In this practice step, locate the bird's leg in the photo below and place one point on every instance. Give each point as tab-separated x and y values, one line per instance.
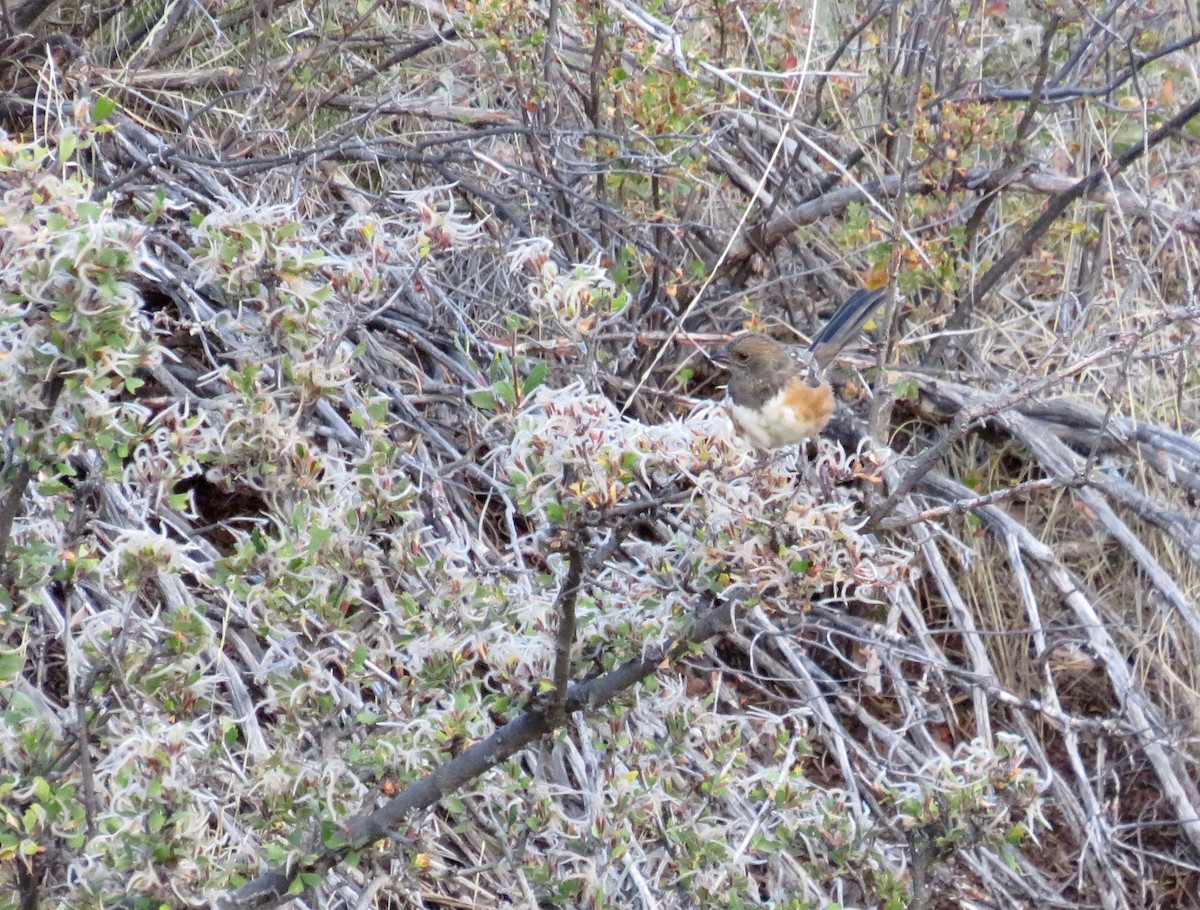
805	460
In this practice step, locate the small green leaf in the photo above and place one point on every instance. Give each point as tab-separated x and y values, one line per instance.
11	663
535	378
504	391
334	838
484	400
52	487
102	108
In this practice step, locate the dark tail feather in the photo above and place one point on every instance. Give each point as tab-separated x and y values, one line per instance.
844	325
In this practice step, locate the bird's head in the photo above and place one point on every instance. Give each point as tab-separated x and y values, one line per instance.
755	353
759	367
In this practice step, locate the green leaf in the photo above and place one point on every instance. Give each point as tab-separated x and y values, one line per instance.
11	664
52	487
103	107
67	144
484	400
333	837
504	391
535	378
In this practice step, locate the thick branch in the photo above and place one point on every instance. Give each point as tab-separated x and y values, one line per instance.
564	609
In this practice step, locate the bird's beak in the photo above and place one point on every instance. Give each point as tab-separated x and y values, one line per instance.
704	344
720	357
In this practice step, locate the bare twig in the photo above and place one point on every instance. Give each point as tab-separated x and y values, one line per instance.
960	506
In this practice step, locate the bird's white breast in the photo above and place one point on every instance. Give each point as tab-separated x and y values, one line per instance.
786	418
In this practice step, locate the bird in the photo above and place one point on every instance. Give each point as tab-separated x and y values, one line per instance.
777	398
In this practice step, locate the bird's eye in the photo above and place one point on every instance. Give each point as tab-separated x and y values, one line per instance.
741	356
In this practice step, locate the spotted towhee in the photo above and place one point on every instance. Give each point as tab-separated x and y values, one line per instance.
777	398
